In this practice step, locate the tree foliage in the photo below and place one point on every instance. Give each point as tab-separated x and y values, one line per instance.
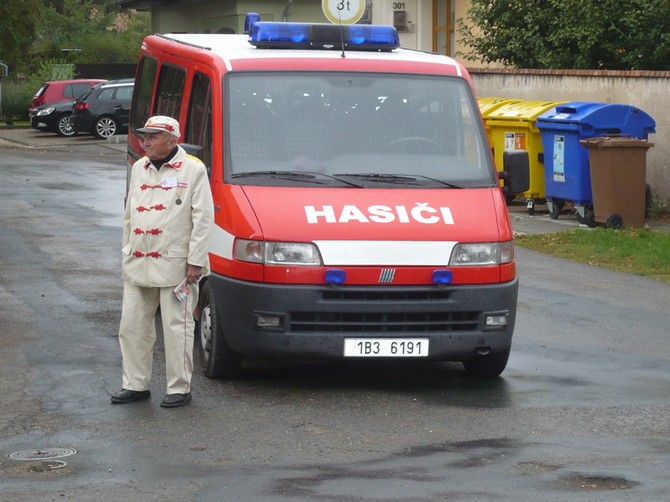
94	31
580	34
74	31
18	26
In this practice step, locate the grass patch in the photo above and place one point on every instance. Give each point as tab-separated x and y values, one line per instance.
638	251
15	123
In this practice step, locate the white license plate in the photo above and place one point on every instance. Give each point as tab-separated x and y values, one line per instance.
385	347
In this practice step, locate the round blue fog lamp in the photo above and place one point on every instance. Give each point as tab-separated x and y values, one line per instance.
442	277
335	276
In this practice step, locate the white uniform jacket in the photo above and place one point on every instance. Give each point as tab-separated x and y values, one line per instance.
167	223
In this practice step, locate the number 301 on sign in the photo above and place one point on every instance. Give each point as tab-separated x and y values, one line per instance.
385	347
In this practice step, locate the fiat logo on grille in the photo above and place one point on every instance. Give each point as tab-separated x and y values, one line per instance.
386	275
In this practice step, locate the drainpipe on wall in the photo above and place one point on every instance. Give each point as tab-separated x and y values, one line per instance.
284	16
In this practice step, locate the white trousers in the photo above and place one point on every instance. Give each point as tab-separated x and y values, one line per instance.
137	336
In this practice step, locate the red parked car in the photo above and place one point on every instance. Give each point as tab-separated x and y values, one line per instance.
60	90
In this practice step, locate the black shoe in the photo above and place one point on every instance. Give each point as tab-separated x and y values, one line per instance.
128	396
176	400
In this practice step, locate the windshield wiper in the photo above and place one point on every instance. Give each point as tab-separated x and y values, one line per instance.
278	174
396	178
306	176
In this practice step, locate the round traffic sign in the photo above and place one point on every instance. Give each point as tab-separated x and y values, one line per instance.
343	11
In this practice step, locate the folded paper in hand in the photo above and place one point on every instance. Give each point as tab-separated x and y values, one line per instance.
182	290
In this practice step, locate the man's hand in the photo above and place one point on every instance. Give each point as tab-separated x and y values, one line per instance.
193	274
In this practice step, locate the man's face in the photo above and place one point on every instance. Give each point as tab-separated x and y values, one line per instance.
158	145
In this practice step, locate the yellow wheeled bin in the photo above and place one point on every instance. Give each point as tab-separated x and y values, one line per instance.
488	105
512	126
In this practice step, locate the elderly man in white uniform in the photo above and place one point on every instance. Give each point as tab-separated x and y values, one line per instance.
166	237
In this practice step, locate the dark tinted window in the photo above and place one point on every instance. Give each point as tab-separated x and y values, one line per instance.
170	90
144	89
199	122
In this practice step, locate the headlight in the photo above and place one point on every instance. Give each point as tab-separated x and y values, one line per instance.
277	253
45	111
484	253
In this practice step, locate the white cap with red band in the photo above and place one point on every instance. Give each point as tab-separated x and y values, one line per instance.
161	123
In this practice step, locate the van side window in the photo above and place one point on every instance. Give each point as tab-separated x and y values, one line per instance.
170	90
199	119
144	91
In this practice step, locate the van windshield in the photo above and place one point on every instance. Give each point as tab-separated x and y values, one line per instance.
354	129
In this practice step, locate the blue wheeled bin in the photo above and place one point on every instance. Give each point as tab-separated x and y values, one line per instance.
566	161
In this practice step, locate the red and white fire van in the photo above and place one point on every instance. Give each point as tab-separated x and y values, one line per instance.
358	209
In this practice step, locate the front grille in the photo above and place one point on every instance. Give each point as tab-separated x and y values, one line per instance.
389	322
386	295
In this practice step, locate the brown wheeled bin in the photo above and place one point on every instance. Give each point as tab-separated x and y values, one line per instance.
618	179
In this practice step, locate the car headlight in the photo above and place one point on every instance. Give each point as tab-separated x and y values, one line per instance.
45	111
482	253
277	253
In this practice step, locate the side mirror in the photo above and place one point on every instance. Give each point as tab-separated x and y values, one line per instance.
516	172
196	151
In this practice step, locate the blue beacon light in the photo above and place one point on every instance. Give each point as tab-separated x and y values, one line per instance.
335	276
250	20
320	35
441	277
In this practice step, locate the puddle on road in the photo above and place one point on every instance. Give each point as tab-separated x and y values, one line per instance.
591	482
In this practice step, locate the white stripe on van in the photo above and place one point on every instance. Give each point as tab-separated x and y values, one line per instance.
395	253
359	253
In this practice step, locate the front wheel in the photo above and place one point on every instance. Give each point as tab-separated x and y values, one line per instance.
218	359
64	125
488	366
104	127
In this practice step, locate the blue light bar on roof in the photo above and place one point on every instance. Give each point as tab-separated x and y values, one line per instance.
363	37
249	21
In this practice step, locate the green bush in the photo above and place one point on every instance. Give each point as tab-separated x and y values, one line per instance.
16	98
17	93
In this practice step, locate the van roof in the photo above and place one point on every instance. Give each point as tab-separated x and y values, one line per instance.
231	48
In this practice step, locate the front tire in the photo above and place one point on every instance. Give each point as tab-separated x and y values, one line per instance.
64	126
219	360
489	366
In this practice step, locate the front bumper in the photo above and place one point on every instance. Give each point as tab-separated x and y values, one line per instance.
314	321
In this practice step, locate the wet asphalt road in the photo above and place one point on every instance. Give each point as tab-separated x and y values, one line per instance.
581	413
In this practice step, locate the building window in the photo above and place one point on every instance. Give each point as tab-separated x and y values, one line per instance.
444	16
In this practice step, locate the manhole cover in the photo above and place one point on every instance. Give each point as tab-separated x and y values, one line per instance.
45	454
